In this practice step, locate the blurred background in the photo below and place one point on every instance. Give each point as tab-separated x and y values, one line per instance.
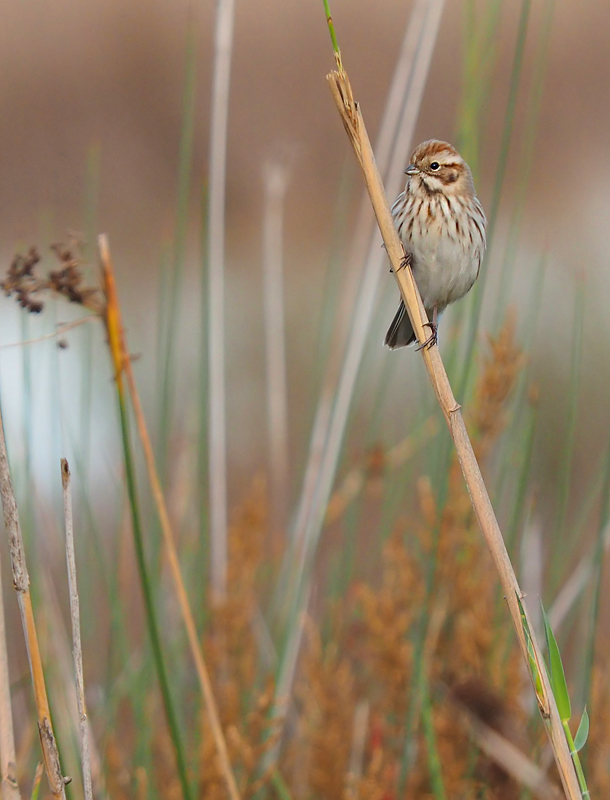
93	115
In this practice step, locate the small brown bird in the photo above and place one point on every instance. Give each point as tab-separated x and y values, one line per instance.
442	226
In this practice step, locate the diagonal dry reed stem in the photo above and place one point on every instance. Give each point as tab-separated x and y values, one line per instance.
168	536
357	134
21	582
77	651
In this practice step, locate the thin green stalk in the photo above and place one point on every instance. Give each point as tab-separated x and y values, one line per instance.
420	694
474	311
526	446
202	456
184	188
512	446
434	761
281	787
598	561
526	161
163	314
92	193
570	440
576	759
151	616
583	513
479	57
331	29
331	293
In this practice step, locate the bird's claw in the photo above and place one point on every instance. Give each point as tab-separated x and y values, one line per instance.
405	262
432	339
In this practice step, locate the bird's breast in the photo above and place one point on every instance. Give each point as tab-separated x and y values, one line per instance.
445	258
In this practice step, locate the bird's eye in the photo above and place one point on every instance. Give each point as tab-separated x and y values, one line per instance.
434	166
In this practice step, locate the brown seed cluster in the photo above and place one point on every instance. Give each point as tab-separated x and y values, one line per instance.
66	280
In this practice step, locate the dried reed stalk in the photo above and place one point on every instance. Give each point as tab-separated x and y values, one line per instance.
77	651
21	582
357	134
123	361
8	759
275	182
216	307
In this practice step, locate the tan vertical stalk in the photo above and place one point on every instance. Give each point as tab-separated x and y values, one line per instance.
355	128
76	642
21	582
217	436
275	181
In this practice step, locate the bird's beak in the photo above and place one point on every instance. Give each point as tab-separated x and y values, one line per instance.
411	170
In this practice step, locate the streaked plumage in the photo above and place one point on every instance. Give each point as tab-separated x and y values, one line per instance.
442	226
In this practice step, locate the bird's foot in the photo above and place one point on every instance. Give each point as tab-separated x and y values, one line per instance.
405	262
432	339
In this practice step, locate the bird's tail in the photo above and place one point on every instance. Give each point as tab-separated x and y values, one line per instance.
400	333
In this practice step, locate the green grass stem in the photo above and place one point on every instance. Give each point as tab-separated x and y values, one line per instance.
567	457
151	615
434	760
526	161
474	311
478	58
598	561
331	29
185	161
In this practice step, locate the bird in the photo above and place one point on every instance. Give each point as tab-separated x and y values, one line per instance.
442	226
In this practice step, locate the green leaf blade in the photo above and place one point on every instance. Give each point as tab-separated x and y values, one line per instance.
557	674
582	734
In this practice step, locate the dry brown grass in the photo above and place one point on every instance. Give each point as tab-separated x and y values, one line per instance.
243	695
371	654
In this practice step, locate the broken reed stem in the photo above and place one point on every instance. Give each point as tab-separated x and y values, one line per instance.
21	582
77	651
123	358
353	122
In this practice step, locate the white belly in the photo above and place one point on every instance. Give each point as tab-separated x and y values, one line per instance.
443	271
445	258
